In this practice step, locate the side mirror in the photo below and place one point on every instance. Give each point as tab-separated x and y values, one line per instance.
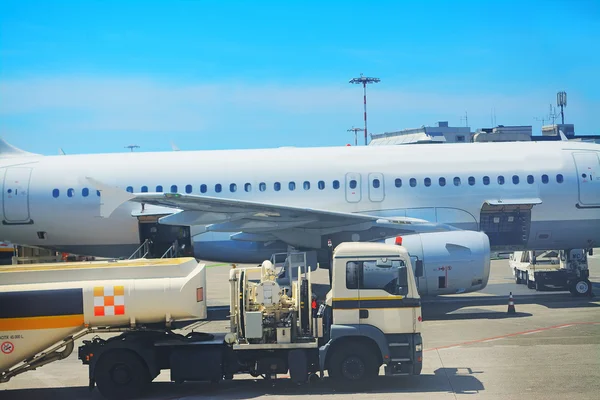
419	269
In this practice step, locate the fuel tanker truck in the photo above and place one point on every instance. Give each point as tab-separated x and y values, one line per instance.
370	318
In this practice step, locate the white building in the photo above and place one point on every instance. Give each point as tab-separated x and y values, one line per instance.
442	133
501	133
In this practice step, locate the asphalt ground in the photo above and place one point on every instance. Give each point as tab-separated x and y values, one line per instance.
548	349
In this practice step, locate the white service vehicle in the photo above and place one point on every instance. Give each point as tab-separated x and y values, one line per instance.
371	317
539	270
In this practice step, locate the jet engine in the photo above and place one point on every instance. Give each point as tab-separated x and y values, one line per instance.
453	262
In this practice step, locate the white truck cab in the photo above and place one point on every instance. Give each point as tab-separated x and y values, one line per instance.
374	310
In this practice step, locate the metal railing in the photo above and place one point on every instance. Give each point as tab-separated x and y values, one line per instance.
141	251
171	251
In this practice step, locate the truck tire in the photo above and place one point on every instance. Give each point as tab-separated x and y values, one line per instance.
530	284
121	374
352	365
518	279
581	287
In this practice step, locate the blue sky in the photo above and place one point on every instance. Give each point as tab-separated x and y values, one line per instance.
95	76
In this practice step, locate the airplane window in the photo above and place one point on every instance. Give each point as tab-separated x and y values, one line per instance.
173	188
70	192
442	181
471	180
232	187
262	186
544	178
376	183
500	180
292	185
336	184
306	185
427	182
159	188
188	188
277	186
456	181
352	184
515	179
248	187
98	193
413	182
486	180
55	193
398	182
85	192
321	185
530	179
130	189
559	178
144	189
203	188
218	188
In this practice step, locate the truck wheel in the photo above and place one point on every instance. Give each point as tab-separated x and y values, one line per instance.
352	364
581	287
530	284
518	279
121	374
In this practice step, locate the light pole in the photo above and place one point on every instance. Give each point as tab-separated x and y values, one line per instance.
364	80
355	130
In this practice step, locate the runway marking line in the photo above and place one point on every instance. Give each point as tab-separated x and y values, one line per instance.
529	332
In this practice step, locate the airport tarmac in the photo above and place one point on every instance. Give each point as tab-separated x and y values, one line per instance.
549	349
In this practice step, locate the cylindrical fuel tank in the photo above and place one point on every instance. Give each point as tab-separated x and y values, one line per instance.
41	304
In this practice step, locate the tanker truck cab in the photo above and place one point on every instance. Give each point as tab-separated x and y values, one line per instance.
372	314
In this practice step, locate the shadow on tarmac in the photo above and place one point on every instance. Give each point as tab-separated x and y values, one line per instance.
452	308
443	380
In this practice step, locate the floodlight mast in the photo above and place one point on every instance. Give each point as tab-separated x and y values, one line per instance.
364	80
355	130
132	146
561	101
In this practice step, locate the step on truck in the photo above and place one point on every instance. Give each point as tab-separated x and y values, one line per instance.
552	269
370	318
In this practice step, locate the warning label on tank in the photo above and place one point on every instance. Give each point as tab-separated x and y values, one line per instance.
7	347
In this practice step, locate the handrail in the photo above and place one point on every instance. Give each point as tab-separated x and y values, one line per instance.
141	251
172	250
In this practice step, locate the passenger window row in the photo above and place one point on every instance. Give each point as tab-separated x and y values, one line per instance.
471	180
376	183
218	188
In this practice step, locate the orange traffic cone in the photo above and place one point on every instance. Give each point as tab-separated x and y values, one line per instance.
511	304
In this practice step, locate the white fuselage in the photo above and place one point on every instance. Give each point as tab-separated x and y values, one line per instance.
48	202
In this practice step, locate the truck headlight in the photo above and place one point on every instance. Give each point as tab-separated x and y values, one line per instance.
419	347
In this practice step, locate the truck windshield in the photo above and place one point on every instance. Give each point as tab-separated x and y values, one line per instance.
385	274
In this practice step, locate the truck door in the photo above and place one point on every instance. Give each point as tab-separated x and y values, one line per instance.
346	299
588	171
382	290
16	195
353	187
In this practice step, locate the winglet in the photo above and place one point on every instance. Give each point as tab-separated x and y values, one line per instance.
111	197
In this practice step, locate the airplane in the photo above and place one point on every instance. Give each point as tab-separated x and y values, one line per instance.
451	203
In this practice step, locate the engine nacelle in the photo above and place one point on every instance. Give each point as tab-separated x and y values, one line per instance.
453	262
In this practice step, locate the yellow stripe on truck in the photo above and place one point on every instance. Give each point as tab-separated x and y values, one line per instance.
49	322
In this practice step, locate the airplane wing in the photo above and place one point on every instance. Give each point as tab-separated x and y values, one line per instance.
298	226
257	221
